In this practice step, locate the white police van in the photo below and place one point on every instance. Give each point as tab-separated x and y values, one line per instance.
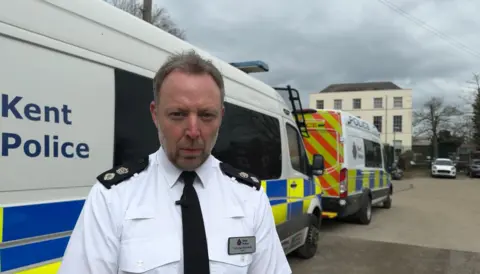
75	87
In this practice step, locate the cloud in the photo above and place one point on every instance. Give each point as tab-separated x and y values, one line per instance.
312	44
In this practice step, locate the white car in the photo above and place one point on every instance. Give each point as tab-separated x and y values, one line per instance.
444	167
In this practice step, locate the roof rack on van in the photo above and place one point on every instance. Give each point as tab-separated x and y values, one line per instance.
294	98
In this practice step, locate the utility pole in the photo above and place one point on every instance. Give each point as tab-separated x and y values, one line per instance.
147	10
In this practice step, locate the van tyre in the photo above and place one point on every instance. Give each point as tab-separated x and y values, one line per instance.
364	215
388	202
309	249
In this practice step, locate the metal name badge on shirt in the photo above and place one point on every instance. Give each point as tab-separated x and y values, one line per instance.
241	245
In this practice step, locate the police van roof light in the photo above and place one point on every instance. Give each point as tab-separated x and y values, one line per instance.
251	66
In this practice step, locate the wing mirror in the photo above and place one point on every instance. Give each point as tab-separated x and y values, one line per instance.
318	165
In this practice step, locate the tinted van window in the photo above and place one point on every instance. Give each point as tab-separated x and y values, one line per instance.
135	132
250	141
373	154
298	155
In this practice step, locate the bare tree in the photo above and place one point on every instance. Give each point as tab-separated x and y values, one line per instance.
433	117
158	17
475	117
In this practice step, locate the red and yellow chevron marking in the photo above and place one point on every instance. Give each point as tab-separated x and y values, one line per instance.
325	130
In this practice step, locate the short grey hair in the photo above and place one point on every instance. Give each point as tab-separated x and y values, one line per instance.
188	62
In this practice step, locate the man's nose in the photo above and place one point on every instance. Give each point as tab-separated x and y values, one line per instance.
192	126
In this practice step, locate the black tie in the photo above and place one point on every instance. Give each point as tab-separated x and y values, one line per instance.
195	251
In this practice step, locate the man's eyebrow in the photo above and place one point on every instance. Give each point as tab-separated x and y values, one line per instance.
214	110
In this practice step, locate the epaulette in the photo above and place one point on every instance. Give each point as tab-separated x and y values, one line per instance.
240	176
122	172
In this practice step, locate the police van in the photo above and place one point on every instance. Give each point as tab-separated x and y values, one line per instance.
356	174
75	87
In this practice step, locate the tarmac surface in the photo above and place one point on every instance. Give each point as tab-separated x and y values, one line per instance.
432	227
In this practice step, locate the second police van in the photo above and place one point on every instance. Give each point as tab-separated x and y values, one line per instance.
356	173
76	83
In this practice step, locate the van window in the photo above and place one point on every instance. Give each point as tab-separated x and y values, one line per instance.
373	154
135	132
250	141
298	155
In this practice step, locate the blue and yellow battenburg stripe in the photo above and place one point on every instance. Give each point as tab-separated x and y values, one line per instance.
22	223
288	202
372	179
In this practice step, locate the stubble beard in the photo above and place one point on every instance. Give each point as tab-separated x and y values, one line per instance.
175	157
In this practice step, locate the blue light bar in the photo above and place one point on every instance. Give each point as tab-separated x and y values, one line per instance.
251	66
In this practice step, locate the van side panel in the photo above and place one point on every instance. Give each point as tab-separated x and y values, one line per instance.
51	118
325	132
360	174
56	113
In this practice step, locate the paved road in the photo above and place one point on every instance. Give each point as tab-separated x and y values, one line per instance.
432	227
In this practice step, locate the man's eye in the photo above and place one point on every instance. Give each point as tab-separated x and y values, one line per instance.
177	114
208	115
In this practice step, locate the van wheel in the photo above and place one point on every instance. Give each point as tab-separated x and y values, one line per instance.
388	202
364	215
309	249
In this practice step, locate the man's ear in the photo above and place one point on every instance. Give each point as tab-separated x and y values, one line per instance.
223	111
153	112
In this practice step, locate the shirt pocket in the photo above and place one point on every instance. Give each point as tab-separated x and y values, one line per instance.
221	262
149	255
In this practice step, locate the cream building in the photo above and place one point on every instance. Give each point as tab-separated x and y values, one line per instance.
384	104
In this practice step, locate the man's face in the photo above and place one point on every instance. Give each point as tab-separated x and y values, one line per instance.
188	117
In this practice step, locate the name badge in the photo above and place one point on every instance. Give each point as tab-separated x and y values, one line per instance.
242	245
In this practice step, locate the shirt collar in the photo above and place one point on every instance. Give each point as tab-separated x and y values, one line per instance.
172	173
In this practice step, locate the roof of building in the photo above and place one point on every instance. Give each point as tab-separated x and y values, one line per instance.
360	87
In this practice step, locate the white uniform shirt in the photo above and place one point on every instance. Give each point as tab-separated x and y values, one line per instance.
135	227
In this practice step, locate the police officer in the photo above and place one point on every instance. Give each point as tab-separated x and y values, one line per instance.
179	210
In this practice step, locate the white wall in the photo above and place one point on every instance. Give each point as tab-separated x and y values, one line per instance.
368	111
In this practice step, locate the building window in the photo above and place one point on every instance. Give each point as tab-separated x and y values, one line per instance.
378	102
320	104
397	102
397	123
377	122
337	104
357	103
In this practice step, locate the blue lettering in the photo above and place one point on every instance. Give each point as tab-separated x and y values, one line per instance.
37	148
6	145
32	109
6	106
33	112
82	150
55	112
65	112
51	147
64	150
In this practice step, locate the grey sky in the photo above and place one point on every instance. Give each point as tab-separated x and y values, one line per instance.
312	44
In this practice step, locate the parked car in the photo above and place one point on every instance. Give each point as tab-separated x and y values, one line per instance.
473	170
443	167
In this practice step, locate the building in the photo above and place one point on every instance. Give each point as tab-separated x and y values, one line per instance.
386	105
